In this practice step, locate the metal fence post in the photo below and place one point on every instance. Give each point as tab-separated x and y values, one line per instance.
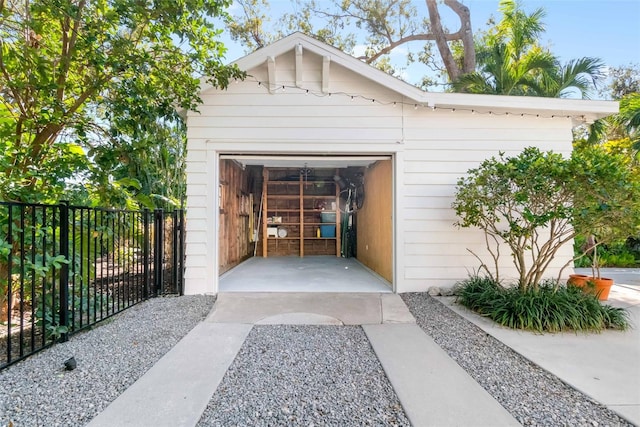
158	253
64	270
175	252
182	252
145	254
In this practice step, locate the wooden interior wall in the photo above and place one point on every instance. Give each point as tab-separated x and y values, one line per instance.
375	220
235	207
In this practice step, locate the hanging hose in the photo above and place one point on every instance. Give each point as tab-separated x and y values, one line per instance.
257	233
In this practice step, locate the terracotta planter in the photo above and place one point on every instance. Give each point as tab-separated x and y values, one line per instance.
602	287
578	280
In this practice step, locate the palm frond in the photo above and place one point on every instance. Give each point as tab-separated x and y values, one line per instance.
474	83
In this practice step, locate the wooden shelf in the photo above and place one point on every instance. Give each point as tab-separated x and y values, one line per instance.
284	197
294	201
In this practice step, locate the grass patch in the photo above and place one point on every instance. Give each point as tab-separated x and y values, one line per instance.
544	310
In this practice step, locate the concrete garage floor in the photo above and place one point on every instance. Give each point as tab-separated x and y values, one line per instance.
308	274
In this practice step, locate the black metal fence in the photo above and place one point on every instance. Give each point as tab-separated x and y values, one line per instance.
64	268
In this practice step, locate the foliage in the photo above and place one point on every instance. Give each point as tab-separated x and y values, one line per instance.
624	125
510	61
380	26
617	254
625	87
625	80
536	202
607	201
74	74
545	309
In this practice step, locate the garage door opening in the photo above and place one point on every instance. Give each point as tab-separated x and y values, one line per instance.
315	224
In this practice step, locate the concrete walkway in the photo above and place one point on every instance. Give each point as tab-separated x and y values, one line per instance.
176	390
604	366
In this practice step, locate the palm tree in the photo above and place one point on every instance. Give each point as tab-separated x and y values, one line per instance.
625	124
502	73
581	75
510	61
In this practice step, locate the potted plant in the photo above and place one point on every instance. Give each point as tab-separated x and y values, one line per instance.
606	205
596	284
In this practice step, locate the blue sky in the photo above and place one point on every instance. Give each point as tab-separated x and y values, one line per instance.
606	29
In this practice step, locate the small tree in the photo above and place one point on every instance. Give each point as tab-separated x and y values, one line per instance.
538	201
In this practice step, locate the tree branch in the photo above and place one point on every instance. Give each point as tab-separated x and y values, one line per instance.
403	40
68	46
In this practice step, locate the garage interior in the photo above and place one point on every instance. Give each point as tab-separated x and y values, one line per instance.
305	224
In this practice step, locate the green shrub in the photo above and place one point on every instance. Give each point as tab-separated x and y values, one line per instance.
620	254
549	308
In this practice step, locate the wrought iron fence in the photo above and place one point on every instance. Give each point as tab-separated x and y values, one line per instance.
64	268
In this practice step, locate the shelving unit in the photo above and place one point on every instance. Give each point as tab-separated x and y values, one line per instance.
293	209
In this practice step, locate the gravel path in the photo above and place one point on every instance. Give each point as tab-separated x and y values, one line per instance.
110	357
307	376
531	394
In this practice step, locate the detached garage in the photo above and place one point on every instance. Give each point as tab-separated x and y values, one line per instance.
323	171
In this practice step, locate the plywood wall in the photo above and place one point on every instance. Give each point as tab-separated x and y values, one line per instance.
375	229
235	207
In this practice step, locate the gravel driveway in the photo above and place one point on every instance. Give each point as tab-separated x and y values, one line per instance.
305	376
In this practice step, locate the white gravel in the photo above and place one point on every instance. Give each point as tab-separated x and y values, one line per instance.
283	375
305	376
532	395
40	392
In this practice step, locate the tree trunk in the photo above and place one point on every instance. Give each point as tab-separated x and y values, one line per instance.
465	35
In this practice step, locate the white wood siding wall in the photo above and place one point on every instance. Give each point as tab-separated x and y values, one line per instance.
432	150
440	147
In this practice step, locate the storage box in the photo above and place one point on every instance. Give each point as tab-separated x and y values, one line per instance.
327	231
328	217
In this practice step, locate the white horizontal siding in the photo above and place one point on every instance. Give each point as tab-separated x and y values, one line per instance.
197	190
292	116
300	134
444	213
196	166
337	109
195	225
305	122
194	178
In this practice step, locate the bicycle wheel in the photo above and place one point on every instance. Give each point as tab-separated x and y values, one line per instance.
359	196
